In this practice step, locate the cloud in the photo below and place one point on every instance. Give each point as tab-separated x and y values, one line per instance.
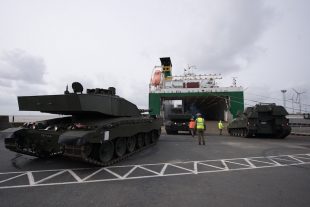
18	65
20	74
225	38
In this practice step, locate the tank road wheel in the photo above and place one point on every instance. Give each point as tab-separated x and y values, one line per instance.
131	143
120	146
140	140
154	135
148	138
43	154
106	151
243	132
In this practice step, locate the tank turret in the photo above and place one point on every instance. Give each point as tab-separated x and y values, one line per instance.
261	120
99	127
95	101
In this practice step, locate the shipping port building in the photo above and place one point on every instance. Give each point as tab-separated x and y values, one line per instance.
194	93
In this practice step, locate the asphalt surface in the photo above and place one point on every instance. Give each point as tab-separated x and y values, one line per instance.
283	185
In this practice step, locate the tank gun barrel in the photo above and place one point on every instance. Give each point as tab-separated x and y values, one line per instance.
145	110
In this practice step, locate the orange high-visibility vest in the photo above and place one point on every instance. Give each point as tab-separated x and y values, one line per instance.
192	124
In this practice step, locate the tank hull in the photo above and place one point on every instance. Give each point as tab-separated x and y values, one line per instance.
73	142
31	142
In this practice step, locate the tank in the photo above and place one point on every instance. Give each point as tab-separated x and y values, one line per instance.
97	127
262	120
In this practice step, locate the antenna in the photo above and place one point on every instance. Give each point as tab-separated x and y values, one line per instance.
66	91
298	98
188	70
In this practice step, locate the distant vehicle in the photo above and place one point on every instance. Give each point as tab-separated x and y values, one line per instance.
306	116
177	121
100	127
260	121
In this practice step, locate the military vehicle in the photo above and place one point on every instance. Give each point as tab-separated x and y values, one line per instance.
260	121
98	127
176	123
176	120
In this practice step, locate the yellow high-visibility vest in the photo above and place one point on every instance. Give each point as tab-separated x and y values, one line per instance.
220	125
200	123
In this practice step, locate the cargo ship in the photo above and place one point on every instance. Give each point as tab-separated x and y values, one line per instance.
195	93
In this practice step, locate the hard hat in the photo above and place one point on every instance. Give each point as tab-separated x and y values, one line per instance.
198	114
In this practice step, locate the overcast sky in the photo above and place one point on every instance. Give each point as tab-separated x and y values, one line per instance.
45	45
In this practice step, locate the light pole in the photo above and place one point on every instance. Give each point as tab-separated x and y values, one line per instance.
284	99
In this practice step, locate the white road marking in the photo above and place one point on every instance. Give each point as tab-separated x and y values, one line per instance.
248	161
143	168
78	179
237	163
195	167
50	177
275	162
113	173
255	160
17	176
251	163
164	169
302	156
129	172
30	178
220	168
282	159
182	168
94	173
225	165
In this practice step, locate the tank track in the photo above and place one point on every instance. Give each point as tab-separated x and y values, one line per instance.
111	162
81	158
241	132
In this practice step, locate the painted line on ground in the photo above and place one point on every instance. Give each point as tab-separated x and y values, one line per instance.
128	172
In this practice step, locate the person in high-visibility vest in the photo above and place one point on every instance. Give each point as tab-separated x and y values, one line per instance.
191	126
220	126
201	127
